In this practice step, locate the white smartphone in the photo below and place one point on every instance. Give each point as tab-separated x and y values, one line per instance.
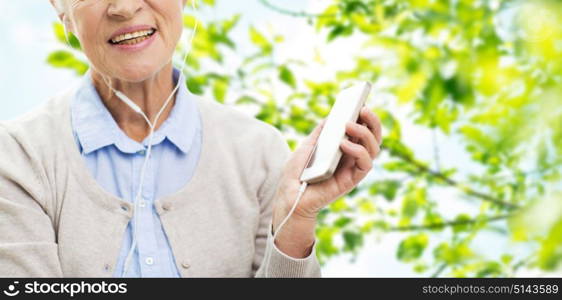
327	154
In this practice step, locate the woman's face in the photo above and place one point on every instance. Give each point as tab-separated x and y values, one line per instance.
130	40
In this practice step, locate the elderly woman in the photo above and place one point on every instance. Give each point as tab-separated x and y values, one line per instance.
216	186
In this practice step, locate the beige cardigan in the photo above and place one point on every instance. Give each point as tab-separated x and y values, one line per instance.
55	220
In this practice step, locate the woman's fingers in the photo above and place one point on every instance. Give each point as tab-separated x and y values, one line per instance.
362	147
362	158
361	134
373	123
364	143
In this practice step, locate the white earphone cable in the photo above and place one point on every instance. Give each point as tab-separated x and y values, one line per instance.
300	193
302	189
149	149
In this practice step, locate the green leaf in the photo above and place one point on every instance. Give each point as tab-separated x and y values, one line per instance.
339	205
229	24
196	84
342	222
506	259
189	21
220	88
286	75
352	240
270	113
400	166
412	247
339	30
409	207
490	268
414	200
67	60
366	206
420	268
434	220
387	188
462	218
452	254
325	237
58	29
258	39
550	252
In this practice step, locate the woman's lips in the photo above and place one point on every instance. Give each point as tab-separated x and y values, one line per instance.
137	45
130	30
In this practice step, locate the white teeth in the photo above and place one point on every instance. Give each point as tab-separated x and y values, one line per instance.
131	35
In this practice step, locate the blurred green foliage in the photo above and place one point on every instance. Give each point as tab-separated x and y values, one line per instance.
450	66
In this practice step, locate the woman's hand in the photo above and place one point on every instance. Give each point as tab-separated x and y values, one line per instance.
297	235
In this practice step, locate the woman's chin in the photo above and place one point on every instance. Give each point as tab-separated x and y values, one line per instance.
137	74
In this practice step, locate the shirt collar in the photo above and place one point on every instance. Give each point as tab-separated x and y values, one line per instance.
95	128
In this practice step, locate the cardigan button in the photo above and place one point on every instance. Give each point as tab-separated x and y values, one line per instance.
167	206
185	265
107	267
124	207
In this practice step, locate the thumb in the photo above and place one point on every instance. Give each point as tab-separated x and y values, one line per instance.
305	151
312	138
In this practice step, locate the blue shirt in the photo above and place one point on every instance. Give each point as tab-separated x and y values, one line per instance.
115	161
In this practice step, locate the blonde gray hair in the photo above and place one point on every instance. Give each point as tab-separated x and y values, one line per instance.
60	5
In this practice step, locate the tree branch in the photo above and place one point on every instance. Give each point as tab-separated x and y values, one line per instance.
291	13
447	224
424	169
439	270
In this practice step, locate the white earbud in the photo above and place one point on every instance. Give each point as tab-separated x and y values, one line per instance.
129	102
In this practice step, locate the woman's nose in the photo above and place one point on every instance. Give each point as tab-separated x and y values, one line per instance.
124	9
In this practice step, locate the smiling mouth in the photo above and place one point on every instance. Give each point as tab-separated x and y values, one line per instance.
132	38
